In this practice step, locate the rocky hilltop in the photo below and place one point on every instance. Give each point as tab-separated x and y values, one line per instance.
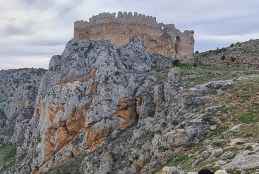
97	98
104	108
245	53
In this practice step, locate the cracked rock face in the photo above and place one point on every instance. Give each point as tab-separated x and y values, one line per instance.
18	92
92	92
106	109
100	109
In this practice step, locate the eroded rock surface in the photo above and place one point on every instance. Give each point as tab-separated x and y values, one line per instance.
18	92
108	109
92	91
102	108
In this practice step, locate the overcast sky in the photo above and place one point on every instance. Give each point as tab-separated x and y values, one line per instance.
33	30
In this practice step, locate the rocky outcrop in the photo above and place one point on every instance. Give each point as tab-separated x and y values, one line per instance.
107	109
102	108
158	38
247	159
18	91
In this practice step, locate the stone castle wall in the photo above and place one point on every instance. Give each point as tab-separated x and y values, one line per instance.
158	38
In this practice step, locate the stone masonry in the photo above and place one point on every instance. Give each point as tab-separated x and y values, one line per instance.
120	28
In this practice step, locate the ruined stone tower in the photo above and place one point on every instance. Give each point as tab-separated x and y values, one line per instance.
119	28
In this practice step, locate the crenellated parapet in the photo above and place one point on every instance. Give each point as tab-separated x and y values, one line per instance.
120	27
121	18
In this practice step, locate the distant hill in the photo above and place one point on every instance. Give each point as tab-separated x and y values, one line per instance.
237	53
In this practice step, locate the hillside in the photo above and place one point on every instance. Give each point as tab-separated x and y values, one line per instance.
245	53
232	143
107	109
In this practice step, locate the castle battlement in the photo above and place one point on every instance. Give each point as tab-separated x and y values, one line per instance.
120	18
120	27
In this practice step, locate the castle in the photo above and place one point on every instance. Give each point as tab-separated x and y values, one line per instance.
119	28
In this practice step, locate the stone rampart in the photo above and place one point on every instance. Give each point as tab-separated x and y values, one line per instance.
119	28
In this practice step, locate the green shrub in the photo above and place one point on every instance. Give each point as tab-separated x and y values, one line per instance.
184	65
248	117
38	139
178	159
7	155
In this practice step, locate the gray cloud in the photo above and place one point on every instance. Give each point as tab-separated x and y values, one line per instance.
42	5
15	30
12	29
33	30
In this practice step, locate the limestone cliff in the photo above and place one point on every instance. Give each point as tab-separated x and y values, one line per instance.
117	102
91	91
18	92
158	38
